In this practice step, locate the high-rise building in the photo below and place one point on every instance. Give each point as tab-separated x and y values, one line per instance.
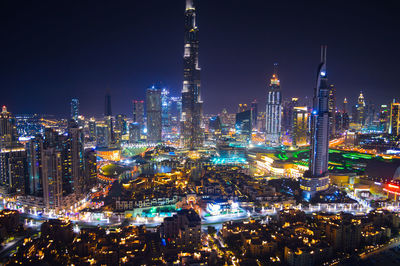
8	129
175	113
107	104
274	110
254	112
394	119
120	127
134	132
243	125
153	111
191	115
75	139
345	110
384	118
90	159
103	137
14	169
75	109
52	177
370	114
214	125
287	114
300	126
34	154
165	111
92	129
108	120
332	111
316	179
359	115
138	112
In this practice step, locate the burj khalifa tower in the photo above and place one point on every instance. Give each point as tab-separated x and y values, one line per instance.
191	116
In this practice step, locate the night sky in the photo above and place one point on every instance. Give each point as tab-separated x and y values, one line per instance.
51	51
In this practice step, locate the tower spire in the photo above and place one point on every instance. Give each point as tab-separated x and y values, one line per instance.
323	53
189	4
276	65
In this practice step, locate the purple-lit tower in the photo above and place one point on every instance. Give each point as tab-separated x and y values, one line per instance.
191	116
316	179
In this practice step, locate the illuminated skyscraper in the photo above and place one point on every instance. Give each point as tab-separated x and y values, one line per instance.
384	118
191	116
243	126
52	177
165	111
75	109
287	114
300	126
153	111
14	169
359	116
138	111
103	138
76	148
120	127
274	110
345	105
34	155
316	179
394	119
134	132
8	129
92	129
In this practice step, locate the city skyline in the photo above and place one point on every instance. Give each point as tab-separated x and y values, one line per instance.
127	138
359	63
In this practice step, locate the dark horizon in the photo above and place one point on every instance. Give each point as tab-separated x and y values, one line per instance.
52	51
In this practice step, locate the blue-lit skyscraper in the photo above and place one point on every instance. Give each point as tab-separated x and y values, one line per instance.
75	109
165	111
316	179
274	111
243	125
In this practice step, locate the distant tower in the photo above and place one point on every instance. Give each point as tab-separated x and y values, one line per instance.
316	179
360	109
75	109
345	105
191	115
153	111
394	119
138	112
166	111
274	110
8	129
108	115
107	104
52	177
